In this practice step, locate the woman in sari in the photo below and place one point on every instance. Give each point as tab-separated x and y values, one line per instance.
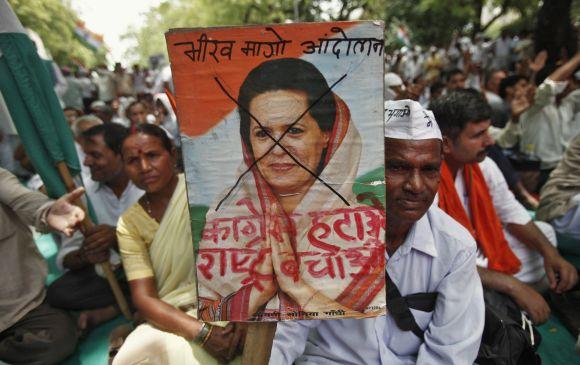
156	247
289	240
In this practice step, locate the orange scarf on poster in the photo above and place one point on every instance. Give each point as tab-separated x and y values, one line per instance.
484	225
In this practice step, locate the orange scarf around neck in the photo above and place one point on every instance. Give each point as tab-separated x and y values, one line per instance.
484	225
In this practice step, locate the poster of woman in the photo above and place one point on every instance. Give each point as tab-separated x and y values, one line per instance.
281	129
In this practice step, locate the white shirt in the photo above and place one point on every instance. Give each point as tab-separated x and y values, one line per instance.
438	255
570	113
542	125
507	207
108	208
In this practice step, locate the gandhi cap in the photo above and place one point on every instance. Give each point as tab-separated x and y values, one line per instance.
407	119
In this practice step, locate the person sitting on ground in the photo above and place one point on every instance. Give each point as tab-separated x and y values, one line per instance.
515	254
79	126
500	113
560	197
110	192
505	138
71	114
455	80
157	250
31	331
544	123
427	251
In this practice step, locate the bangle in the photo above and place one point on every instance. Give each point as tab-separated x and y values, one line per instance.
207	336
205	329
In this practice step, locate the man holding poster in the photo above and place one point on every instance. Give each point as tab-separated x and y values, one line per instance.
281	143
427	252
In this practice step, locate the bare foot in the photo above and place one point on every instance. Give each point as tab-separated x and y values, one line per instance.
90	319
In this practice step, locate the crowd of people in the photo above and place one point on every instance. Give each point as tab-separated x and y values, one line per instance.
492	134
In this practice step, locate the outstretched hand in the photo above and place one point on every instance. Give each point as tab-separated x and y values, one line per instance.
520	103
63	215
539	61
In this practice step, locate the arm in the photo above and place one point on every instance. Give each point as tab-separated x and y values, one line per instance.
525	296
455	330
36	209
564	72
70	256
555	83
30	206
162	315
506	137
561	274
223	343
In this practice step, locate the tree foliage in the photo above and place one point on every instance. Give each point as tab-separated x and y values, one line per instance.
149	39
54	21
435	21
429	21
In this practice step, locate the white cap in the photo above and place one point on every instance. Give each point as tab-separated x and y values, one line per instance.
392	79
407	119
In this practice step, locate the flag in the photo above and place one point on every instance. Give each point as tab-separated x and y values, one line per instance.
27	89
402	37
90	39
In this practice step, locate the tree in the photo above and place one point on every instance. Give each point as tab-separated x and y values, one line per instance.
554	31
54	21
149	39
433	22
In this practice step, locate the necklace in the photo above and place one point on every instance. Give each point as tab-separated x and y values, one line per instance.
290	194
148	205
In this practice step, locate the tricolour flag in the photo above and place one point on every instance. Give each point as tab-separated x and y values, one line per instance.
27	89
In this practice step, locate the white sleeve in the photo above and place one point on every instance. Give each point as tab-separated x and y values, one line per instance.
69	244
506	137
548	89
290	341
505	203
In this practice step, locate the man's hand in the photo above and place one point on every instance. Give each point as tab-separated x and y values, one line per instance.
539	61
223	342
63	216
98	240
520	103
561	274
531	302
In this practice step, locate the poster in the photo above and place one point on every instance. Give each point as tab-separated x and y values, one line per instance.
282	140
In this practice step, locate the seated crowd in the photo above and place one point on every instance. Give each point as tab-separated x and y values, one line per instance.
458	225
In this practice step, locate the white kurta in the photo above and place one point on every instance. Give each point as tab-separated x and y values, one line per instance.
108	209
509	210
546	127
438	255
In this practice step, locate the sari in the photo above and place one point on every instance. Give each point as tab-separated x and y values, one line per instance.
338	248
165	253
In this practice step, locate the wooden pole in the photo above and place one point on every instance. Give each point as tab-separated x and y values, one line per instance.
106	266
258	344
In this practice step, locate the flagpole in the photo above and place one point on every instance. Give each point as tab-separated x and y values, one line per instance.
258	345
106	266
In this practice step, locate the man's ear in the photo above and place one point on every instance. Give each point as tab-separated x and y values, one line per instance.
447	144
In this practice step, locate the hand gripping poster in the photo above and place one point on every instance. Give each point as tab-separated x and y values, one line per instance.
282	140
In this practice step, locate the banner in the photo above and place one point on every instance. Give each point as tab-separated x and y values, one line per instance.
282	137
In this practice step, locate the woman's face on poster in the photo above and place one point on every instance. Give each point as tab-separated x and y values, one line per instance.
305	141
